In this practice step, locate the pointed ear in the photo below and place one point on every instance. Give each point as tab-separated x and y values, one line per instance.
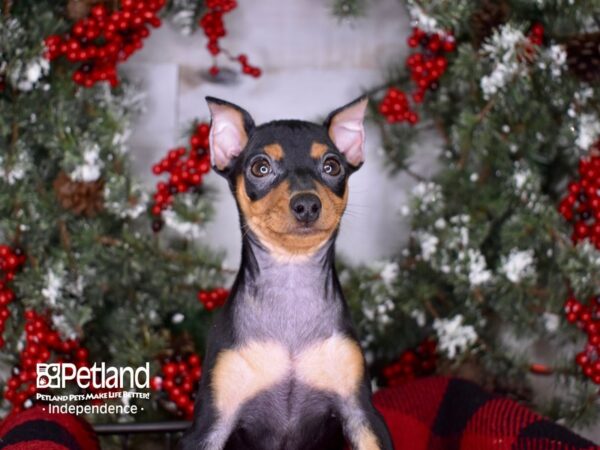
347	131
229	129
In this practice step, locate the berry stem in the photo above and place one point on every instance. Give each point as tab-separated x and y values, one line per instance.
6	8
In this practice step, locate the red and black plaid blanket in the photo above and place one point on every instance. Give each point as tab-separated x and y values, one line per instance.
426	414
451	414
36	429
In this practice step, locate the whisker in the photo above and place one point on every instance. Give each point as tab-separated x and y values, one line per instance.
358	205
355	209
245	230
354	214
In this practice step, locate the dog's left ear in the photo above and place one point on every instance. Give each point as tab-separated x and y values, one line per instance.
346	129
230	127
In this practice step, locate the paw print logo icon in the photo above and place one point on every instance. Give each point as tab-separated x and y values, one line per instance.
48	376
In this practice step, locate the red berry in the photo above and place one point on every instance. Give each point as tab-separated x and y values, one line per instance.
156	383
169	370
194	360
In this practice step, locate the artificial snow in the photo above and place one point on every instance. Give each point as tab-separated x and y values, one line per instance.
502	44
588	131
551	322
177	318
14	170
454	337
422	20
501	49
428	243
26	75
478	273
558	59
427	193
91	168
517	265
419	316
63	326
498	78
389	273
189	229
521	176
440	223
54	284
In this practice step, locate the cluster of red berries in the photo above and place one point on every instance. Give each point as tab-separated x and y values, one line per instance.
41	343
426	68
412	363
178	378
104	38
429	64
186	169
214	29
395	107
581	206
11	261
587	317
213	299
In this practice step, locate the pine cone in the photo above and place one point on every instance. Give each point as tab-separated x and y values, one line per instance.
583	56
181	344
487	17
82	198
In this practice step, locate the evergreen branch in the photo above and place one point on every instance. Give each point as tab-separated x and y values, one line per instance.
109	241
65	240
382	87
478	296
464	157
14	137
406	168
429	306
439	127
486	109
387	142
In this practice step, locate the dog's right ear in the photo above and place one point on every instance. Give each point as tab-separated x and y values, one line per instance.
229	130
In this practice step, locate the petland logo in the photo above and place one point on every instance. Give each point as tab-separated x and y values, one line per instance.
56	376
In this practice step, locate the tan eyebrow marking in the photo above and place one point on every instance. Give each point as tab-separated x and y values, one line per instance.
317	150
275	151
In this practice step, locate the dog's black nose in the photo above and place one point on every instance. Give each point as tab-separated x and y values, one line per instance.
306	207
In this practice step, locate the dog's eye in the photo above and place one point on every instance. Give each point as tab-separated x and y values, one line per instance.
332	167
260	168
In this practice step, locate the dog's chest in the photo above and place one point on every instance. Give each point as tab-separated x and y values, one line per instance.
294	305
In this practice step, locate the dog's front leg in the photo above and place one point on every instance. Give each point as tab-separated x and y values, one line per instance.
238	375
336	365
210	430
363	425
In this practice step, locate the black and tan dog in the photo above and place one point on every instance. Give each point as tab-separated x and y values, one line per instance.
283	369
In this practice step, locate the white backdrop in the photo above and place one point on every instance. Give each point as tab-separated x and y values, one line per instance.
312	63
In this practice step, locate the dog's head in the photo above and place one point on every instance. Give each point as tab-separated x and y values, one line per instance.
289	177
